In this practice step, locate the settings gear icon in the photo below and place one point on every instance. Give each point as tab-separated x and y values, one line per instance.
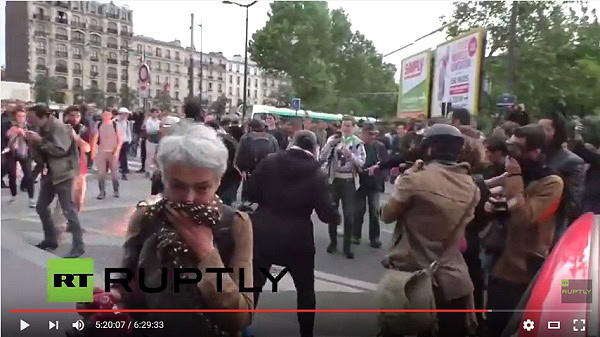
528	325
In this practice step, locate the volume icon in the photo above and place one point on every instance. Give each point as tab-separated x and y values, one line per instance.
78	325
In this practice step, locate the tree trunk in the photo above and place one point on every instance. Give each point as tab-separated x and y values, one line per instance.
511	60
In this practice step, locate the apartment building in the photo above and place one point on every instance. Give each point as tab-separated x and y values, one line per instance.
167	63
80	43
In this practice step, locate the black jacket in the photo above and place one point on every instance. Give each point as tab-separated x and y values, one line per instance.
592	179
288	186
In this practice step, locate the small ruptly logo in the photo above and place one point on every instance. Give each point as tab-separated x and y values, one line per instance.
576	291
70	280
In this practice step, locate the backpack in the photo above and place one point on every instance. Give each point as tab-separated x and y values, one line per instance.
100	124
260	148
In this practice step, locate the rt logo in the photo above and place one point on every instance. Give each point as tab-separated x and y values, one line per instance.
70	280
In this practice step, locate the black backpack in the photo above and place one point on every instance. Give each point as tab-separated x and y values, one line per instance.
260	148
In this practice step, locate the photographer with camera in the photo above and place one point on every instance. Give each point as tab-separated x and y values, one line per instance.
532	196
344	154
432	203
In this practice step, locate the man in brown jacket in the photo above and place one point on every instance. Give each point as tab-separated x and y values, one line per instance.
533	193
432	206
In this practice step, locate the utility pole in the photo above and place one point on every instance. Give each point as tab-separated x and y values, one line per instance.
191	70
201	69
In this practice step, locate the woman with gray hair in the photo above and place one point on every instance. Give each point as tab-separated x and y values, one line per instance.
288	186
189	227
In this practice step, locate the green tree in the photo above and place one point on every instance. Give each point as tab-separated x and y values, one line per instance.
46	88
325	60
218	106
95	95
556	51
127	97
163	100
282	96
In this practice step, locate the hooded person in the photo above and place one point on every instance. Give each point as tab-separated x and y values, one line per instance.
288	186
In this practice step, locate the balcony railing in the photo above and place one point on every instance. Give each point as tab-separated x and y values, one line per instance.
61	37
168	70
112	76
40	51
112	45
112	16
124	78
61	20
112	61
63	4
93	74
63	70
124	63
77	71
78	24
62	54
126	33
40	33
177	58
77	56
40	67
38	16
112	31
97	28
76	40
94	59
95	43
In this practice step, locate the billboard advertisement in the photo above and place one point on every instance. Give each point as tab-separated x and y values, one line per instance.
457	72
415	84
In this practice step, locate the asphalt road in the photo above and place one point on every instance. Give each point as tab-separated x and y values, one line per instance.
340	283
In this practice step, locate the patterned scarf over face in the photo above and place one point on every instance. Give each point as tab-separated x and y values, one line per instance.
172	251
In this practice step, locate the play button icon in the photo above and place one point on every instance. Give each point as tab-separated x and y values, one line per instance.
24	325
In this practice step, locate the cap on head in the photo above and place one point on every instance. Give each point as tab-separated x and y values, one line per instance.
442	130
124	110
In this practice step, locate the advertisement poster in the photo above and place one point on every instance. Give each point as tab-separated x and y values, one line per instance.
415	78
457	73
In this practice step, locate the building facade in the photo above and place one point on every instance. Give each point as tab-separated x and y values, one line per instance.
88	44
81	44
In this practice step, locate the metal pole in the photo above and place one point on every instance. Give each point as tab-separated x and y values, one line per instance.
245	69
201	69
191	72
145	102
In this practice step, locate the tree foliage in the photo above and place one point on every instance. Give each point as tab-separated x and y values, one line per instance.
327	62
557	51
218	106
127	97
95	95
47	89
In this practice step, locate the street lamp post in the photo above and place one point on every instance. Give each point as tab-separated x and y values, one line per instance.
201	69
245	54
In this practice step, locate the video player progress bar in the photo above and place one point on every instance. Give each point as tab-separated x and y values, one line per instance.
333	311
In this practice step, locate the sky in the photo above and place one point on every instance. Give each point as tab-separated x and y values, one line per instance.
389	24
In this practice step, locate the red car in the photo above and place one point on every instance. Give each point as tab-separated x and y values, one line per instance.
563	298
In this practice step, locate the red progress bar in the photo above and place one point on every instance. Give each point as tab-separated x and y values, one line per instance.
42	311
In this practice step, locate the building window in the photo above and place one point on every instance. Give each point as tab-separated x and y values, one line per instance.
94	55
177	68
78	37
140	49
209	98
123	72
256	83
76	83
113	43
168	53
111	87
255	93
264	93
177	95
95	40
149	63
94	23
237	68
112	28
75	19
61	48
177	55
112	56
210	86
76	68
220	88
157	93
230	91
158	52
40	61
230	79
94	68
158	66
168	67
237	90
157	79
238	80
230	67
176	81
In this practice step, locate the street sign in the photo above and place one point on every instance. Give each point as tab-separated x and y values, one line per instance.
506	100
296	104
144	73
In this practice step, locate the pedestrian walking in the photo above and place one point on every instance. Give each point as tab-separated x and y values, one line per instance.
125	126
108	141
58	148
